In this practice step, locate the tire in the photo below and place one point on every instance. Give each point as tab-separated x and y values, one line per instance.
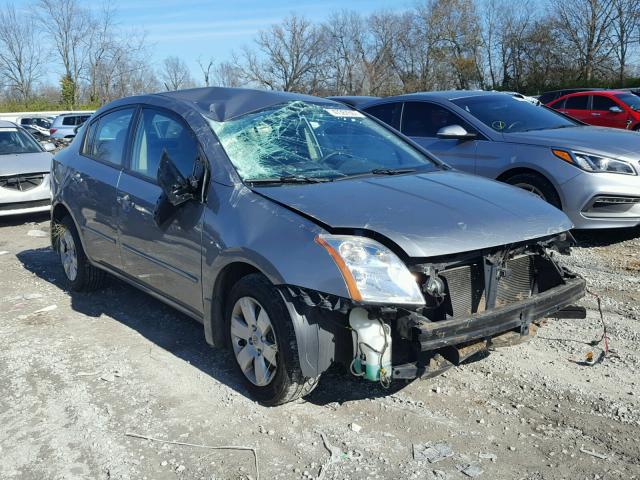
271	382
80	274
538	185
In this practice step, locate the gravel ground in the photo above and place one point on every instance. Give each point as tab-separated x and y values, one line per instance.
80	371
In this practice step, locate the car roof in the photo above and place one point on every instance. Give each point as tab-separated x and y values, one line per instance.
438	95
222	104
353	100
7	124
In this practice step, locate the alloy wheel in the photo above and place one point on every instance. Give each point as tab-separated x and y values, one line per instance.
254	341
532	189
69	255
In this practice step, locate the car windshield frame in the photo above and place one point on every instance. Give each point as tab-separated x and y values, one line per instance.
306	142
29	144
634	104
528	117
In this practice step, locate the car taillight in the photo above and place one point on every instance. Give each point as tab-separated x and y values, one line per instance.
52	131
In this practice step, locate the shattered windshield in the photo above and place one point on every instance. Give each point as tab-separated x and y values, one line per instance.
14	141
314	141
506	114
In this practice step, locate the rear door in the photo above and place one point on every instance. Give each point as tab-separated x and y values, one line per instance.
422	120
577	106
93	184
602	115
164	257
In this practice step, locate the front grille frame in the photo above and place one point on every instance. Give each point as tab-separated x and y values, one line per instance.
24	182
488	281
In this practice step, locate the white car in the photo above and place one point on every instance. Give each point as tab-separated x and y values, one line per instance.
24	172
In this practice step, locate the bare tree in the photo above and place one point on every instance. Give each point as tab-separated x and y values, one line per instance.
175	74
69	26
586	25
625	25
21	56
228	74
289	57
206	68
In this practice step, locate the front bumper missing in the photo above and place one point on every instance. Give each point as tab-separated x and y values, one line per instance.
446	343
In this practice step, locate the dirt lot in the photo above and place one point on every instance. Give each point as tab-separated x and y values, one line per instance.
81	371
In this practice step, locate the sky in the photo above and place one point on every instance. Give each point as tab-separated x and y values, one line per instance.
212	28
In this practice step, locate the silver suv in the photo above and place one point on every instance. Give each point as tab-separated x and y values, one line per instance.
64	126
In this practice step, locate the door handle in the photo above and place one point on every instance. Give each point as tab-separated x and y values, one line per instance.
595	114
125	201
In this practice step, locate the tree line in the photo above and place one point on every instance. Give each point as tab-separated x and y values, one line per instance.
437	44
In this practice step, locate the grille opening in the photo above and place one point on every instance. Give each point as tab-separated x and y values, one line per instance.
22	183
520	277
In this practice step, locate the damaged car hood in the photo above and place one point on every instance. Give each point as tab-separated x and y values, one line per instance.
18	164
426	215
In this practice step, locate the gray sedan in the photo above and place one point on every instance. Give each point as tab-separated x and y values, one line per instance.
302	233
591	173
24	172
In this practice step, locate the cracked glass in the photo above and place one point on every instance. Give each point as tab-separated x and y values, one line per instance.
302	139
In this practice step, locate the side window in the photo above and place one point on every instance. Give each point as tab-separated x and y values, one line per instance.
108	142
87	145
156	133
559	105
389	113
68	121
601	102
423	119
578	102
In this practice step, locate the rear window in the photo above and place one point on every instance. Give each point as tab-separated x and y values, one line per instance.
389	113
578	102
106	138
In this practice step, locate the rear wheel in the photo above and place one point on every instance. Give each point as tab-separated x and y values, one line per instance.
264	344
538	185
81	275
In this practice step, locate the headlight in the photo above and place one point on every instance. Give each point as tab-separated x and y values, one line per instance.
372	272
595	163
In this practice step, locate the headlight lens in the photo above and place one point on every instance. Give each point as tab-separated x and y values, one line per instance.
595	163
372	272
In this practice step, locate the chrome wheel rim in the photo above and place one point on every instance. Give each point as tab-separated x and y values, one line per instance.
531	189
254	341
68	255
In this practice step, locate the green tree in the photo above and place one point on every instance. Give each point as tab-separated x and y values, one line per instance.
68	91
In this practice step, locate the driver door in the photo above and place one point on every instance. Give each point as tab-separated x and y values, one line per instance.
421	122
165	258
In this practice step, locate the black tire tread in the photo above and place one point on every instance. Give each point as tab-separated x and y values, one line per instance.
537	180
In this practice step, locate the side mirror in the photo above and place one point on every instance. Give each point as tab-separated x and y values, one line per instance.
177	189
48	147
455	132
616	109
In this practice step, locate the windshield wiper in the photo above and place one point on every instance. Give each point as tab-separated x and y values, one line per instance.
392	171
288	179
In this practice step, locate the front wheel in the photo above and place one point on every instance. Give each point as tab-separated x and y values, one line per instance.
538	185
264	344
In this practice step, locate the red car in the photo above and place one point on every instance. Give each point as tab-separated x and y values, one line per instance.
610	108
